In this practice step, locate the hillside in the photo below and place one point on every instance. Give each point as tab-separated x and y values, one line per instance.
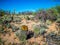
10	37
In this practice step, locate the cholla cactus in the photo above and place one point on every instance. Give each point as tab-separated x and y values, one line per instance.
21	35
36	30
40	29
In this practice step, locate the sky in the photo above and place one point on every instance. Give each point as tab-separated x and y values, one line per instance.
30	5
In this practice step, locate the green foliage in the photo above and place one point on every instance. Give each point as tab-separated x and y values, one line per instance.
55	11
39	30
35	43
36	30
51	14
1	30
52	34
2	42
1	21
23	43
34	13
43	28
52	37
58	20
27	18
48	22
8	25
58	8
1	13
21	35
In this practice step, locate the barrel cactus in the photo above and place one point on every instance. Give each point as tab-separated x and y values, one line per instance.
22	33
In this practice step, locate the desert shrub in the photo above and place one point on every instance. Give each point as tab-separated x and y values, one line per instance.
35	43
36	31
45	44
8	25
27	18
1	13
58	20
21	35
52	37
43	28
42	25
9	43
42	31
52	34
48	22
1	20
13	43
23	43
39	30
2	42
0	27
14	28
1	30
5	23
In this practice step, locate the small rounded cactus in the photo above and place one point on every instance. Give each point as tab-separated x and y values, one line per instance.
22	34
24	27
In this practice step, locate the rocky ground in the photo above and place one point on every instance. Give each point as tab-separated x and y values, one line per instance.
10	38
